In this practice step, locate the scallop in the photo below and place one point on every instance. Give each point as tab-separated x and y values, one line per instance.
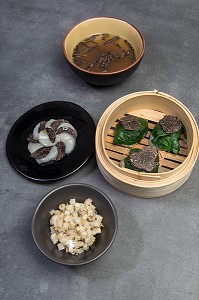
44	138
51	156
68	141
36	132
48	124
32	147
67	125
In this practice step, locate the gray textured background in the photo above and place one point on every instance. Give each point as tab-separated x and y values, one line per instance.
156	251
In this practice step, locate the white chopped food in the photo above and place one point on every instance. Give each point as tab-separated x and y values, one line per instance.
54	238
60	246
74	225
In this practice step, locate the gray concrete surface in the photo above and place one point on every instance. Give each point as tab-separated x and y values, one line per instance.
156	252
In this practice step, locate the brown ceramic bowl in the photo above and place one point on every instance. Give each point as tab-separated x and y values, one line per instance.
103	25
62	194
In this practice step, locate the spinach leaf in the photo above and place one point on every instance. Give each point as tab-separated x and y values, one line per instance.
130	137
128	164
166	141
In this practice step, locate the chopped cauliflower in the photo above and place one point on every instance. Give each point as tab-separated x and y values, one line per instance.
73	226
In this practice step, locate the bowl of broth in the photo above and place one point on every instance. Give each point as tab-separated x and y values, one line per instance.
103	50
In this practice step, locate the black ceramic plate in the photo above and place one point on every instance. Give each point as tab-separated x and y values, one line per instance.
16	145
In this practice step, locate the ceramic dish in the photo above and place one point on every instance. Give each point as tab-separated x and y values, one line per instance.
108	25
16	145
41	223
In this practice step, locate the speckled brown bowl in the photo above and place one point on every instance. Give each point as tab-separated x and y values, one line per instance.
103	25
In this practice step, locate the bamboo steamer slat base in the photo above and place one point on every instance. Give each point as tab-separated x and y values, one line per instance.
174	169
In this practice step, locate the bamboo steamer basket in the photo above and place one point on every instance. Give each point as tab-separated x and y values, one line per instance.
174	169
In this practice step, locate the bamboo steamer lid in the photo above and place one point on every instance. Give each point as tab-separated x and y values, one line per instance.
174	169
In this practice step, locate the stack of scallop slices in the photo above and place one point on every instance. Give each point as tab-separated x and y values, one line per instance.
163	171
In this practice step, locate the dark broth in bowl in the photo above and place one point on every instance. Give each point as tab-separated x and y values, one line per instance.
104	53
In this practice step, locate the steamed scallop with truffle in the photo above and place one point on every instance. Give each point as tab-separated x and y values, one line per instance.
51	140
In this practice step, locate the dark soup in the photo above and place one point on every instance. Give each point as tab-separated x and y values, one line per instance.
104	53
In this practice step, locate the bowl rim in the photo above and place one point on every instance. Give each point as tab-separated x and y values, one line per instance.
65	186
108	73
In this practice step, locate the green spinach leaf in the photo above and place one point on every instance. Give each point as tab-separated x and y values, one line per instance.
128	164
166	141
130	137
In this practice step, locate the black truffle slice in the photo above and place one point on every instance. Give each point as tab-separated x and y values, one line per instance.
145	159
61	150
67	130
57	123
51	134
31	140
170	124
130	122
42	126
41	153
113	39
105	59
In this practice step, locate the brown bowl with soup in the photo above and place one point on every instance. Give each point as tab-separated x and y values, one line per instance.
104	50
